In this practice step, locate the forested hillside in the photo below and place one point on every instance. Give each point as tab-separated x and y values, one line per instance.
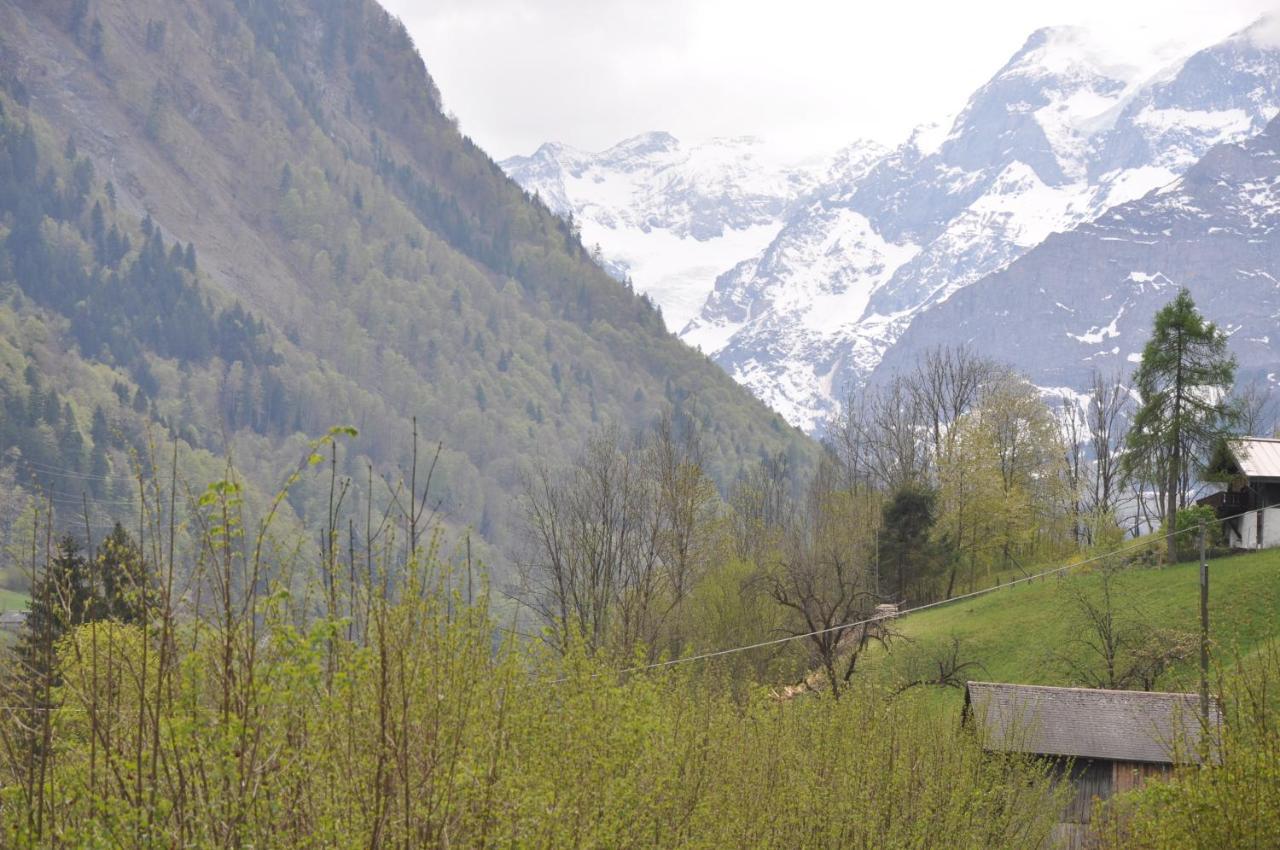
246	221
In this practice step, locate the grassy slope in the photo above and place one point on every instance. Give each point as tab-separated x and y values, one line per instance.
1014	633
12	600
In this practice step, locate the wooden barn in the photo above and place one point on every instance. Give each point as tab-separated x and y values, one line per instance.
1252	468
1102	742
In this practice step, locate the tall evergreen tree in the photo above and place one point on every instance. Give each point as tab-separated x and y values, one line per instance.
1184	383
74	589
908	558
62	598
125	586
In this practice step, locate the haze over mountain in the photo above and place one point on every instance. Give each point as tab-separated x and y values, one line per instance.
1061	133
343	256
671	216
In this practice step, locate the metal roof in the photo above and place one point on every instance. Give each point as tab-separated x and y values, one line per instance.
1259	457
1088	723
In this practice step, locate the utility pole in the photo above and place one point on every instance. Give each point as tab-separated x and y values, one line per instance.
1204	632
877	578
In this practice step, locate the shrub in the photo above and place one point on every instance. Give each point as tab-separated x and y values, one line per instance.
1187	528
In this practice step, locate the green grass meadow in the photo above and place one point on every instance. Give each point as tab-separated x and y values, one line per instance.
1015	633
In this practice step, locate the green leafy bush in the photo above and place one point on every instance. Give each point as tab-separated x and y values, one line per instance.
1232	803
1187	528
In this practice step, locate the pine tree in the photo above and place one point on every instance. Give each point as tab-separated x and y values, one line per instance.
100	429
74	590
1184	382
61	599
907	553
126	586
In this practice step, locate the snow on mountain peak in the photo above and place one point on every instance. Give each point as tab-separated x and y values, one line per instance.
1064	85
1068	127
1214	231
927	138
1264	33
673	216
644	146
1131	56
652	140
551	151
1061	51
799	277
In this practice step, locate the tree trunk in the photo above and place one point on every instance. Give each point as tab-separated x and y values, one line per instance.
1175	460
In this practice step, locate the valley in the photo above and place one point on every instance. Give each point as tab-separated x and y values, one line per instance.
361	489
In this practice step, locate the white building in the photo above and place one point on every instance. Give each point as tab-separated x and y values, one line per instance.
1250	506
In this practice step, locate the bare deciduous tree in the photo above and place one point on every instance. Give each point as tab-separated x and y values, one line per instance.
1092	431
1105	418
1071	428
685	505
595	571
947	383
763	503
1257	409
939	667
824	575
1115	647
619	540
880	436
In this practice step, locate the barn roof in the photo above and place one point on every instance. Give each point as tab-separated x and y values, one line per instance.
1088	723
1259	457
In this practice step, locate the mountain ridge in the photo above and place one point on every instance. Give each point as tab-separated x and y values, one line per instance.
1067	128
1009	173
1213	231
670	216
300	145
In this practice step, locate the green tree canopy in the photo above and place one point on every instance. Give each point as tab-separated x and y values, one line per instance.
1184	383
909	557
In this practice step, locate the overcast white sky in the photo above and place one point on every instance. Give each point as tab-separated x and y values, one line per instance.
810	75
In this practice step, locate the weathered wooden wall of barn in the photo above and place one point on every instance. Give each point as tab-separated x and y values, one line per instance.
1128	775
1095	779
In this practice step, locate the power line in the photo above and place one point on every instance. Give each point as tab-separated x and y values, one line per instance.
62	494
788	638
971	595
63	472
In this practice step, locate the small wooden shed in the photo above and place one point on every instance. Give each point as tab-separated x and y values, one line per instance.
1101	741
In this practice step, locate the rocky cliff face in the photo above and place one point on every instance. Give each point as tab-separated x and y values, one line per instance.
1060	134
1084	299
671	217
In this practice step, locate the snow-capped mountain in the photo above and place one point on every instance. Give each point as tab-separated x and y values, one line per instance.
1084	299
671	216
1061	133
